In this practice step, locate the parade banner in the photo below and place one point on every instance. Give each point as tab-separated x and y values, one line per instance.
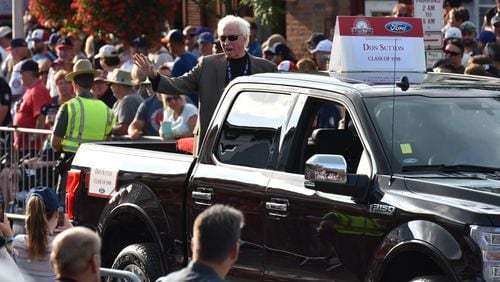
378	44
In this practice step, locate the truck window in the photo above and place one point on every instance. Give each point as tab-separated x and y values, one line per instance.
324	127
251	128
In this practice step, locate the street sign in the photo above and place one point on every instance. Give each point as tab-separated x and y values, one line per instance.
431	12
433	40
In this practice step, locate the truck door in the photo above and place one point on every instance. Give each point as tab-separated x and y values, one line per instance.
311	235
236	171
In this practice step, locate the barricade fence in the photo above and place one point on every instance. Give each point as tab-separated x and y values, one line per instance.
27	160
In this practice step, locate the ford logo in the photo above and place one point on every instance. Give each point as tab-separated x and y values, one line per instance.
398	27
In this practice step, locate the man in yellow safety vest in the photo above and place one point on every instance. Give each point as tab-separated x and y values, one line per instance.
79	120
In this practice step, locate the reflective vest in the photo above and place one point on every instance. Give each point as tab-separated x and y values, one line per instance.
89	120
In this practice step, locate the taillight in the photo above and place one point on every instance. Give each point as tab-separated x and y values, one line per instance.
71	187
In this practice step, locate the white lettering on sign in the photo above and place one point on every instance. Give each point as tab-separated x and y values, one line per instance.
431	12
102	182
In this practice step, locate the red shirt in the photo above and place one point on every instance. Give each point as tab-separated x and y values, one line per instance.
35	97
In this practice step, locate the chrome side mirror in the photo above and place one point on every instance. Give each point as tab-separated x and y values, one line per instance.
328	168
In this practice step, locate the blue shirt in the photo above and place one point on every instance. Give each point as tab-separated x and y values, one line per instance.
194	272
255	49
183	64
151	112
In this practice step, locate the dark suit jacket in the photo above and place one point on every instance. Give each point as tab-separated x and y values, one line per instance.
208	79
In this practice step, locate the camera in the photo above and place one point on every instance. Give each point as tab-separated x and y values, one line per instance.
49	109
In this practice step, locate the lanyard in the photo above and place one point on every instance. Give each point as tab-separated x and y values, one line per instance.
230	75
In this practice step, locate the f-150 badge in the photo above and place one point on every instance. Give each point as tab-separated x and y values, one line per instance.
382	209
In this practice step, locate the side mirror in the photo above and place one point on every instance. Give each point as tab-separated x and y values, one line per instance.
328	174
328	168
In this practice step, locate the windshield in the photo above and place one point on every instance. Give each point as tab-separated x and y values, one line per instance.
435	132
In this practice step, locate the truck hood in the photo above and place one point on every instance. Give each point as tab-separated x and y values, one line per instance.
477	194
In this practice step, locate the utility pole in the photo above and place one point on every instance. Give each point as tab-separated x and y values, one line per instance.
17	19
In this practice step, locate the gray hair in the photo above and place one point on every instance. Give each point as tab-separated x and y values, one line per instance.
215	232
243	26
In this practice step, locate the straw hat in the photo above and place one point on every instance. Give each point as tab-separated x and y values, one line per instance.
119	76
82	66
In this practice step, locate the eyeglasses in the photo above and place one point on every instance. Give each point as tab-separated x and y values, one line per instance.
232	37
170	99
451	53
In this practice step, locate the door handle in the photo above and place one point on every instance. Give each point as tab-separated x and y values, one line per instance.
201	196
277	207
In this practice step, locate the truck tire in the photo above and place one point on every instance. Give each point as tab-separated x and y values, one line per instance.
141	259
430	278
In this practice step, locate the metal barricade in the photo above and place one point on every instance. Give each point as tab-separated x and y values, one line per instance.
26	161
122	274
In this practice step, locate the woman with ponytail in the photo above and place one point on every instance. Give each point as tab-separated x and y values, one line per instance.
32	250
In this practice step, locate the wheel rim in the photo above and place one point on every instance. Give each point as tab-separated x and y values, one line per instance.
137	271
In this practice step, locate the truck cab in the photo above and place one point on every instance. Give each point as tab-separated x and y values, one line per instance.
339	177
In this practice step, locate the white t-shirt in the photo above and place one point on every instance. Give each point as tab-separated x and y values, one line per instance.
8	268
15	83
180	125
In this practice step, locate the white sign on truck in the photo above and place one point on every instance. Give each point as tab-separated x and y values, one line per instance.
378	44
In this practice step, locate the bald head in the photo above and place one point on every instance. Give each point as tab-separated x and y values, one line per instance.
76	251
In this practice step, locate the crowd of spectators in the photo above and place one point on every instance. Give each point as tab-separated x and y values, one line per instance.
34	84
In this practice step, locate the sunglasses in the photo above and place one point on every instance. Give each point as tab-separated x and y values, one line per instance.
172	98
163	68
232	37
44	72
451	53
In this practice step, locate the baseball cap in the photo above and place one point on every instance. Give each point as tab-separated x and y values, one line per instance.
107	50
323	46
203	29
48	196
52	39
468	26
175	35
18	42
280	49
64	42
495	19
206	37
315	38
486	36
140	42
30	65
39	35
286	66
5	30
453	32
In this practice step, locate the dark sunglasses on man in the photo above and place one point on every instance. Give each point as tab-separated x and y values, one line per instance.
232	37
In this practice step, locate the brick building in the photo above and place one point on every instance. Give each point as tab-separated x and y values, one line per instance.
299	20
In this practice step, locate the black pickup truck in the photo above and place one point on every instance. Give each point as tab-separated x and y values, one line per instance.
339	179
